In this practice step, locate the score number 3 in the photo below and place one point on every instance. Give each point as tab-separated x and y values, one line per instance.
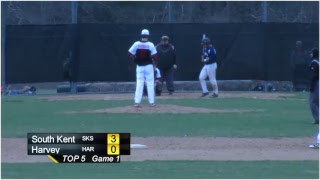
143	54
113	144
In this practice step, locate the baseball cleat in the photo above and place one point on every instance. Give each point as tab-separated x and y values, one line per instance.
204	94
137	105
214	95
315	122
314	146
152	105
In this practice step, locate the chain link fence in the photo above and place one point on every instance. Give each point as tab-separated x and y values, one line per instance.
157	12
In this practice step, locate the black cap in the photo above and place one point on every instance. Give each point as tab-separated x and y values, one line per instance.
165	38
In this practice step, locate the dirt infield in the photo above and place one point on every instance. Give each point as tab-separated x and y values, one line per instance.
14	150
129	96
173	109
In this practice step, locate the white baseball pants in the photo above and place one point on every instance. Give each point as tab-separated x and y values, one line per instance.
144	73
208	70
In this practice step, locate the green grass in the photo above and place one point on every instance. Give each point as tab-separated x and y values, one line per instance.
279	118
167	169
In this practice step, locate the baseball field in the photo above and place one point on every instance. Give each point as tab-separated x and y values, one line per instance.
238	135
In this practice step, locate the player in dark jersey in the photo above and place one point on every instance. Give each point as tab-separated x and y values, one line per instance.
209	59
314	91
314	86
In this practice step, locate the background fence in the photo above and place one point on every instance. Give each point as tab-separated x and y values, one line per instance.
253	39
36	53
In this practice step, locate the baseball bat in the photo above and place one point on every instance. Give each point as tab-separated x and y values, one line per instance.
203	36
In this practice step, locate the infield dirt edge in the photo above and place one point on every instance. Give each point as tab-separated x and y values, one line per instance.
190	148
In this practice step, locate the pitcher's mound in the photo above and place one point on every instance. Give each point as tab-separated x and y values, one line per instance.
175	109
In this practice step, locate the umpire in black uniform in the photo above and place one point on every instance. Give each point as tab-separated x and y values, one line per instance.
314	88
166	62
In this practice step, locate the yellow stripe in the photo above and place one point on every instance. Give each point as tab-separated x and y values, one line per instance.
53	159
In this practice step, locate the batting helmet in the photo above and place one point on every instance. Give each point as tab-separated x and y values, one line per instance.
205	41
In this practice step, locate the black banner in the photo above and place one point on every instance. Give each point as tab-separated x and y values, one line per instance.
84	159
256	51
78	149
79	143
77	138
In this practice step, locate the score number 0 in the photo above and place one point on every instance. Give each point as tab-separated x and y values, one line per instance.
113	144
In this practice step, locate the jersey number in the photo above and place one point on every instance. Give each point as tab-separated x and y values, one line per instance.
143	54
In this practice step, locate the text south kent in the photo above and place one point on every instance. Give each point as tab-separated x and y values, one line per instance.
53	139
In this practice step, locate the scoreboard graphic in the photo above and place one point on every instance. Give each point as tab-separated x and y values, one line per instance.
80	147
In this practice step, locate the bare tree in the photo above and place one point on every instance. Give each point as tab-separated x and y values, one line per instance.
59	12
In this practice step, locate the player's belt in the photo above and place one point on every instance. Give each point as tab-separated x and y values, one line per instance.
210	63
145	64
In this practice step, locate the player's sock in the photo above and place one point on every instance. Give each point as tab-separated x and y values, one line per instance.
216	90
214	86
203	86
